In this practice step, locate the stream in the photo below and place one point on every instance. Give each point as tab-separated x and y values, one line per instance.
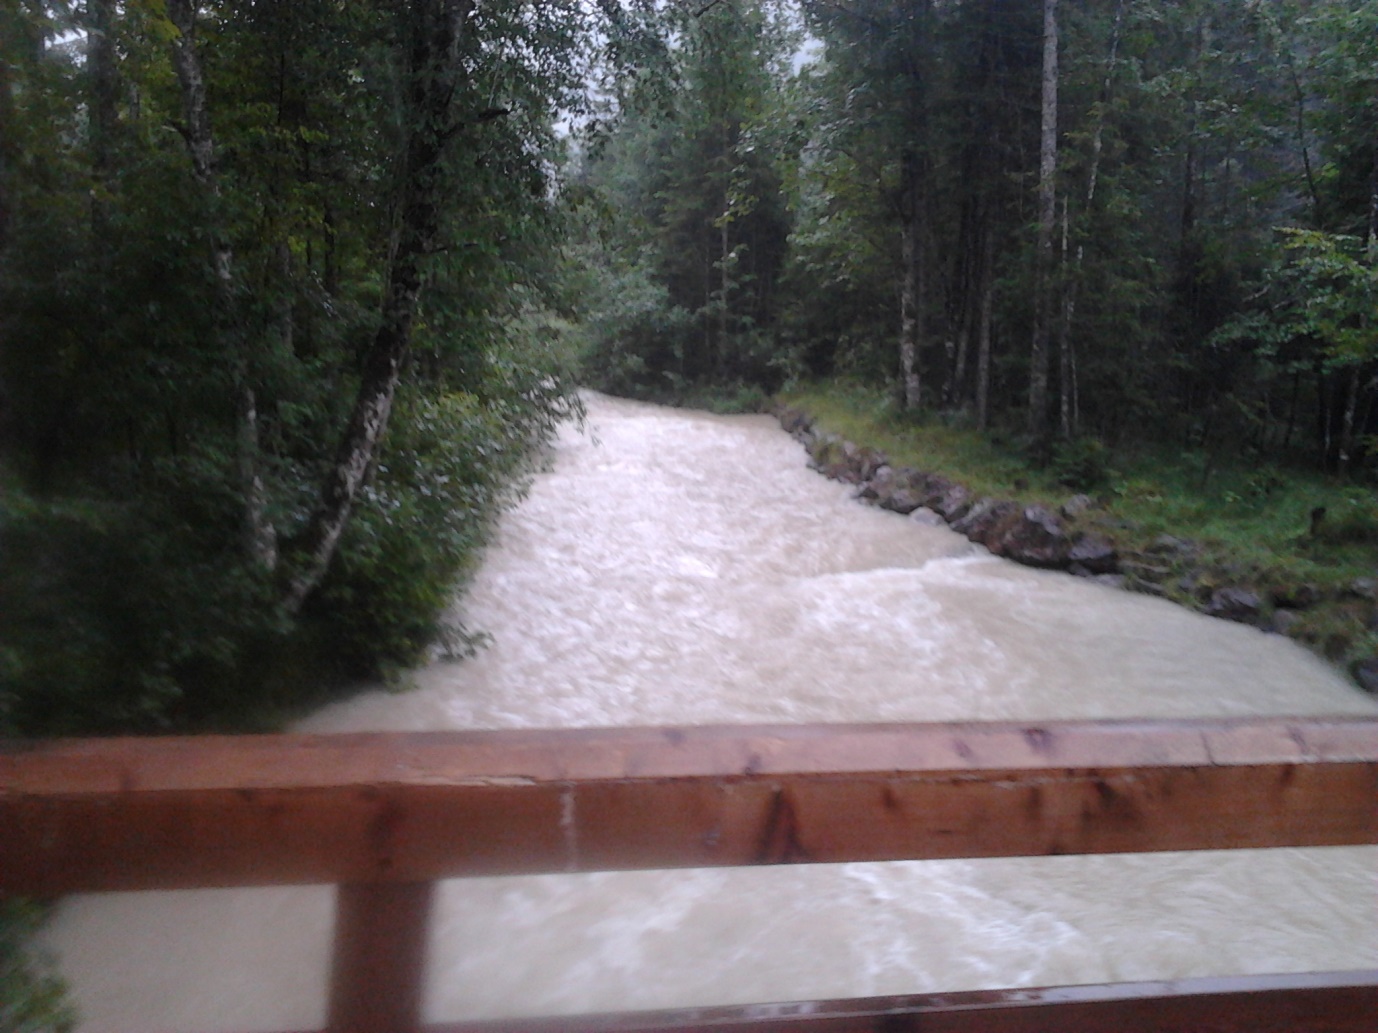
673	567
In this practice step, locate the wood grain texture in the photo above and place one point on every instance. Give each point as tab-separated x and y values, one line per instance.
1329	1002
220	811
378	968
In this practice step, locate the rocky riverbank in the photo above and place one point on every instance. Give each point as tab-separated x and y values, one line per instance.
1083	537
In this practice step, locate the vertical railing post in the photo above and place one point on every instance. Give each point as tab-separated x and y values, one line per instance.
379	964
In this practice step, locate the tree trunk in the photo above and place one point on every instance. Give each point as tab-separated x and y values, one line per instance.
910	247
1066	384
1346	450
1047	215
983	332
260	538
8	155
1070	399
102	90
437	28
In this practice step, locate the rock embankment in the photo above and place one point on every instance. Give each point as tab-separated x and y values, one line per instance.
1078	538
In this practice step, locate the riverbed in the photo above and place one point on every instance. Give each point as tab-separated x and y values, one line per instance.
674	567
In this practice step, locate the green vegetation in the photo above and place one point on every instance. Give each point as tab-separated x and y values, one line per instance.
32	998
1095	224
283	299
1203	527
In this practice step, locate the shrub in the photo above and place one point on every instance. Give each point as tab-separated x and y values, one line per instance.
1081	464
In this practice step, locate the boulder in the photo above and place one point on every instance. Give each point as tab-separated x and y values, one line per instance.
794	421
1170	545
984	518
1364	587
903	500
1235	604
1299	596
952	503
1077	505
1032	536
1094	554
927	518
1366	674
881	482
1109	580
892	489
864	462
1284	621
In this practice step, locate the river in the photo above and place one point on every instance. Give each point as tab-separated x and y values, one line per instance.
676	567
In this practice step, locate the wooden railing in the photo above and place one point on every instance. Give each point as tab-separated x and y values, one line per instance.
385	815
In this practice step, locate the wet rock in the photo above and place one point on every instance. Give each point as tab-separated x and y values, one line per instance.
983	517
1170	545
794	421
902	500
1033	537
1140	569
1235	604
1366	674
1108	580
927	518
1077	505
880	483
1296	597
952	503
1284	621
1364	588
865	461
1095	554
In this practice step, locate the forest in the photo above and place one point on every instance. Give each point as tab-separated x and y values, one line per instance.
292	294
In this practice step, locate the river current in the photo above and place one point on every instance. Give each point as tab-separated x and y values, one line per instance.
673	567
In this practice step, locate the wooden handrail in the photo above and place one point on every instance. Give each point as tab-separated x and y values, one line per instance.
375	811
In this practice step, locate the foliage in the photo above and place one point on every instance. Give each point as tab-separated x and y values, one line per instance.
687	237
188	339
1211	282
32	998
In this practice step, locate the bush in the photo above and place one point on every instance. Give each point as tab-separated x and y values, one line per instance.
449	466
32	998
1081	464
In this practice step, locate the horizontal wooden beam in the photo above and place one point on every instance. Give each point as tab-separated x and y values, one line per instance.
1328	1002
219	811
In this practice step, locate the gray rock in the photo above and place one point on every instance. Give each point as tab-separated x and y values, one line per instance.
1095	554
1170	545
1284	621
794	421
1077	505
983	517
1235	604
1364	588
902	501
1366	674
1033	537
952	503
925	516
880	483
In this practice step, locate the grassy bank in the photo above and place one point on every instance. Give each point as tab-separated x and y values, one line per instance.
1185	524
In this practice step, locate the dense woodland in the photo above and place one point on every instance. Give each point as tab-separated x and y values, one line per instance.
292	293
1084	220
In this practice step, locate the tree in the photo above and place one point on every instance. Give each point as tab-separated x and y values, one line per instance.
264	398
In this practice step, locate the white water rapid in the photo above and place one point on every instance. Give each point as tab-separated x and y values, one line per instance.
675	567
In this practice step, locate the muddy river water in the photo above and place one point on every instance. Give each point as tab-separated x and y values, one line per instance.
675	567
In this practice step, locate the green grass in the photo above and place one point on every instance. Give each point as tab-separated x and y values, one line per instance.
1249	521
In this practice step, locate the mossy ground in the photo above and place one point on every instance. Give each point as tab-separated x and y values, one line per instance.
1242	522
